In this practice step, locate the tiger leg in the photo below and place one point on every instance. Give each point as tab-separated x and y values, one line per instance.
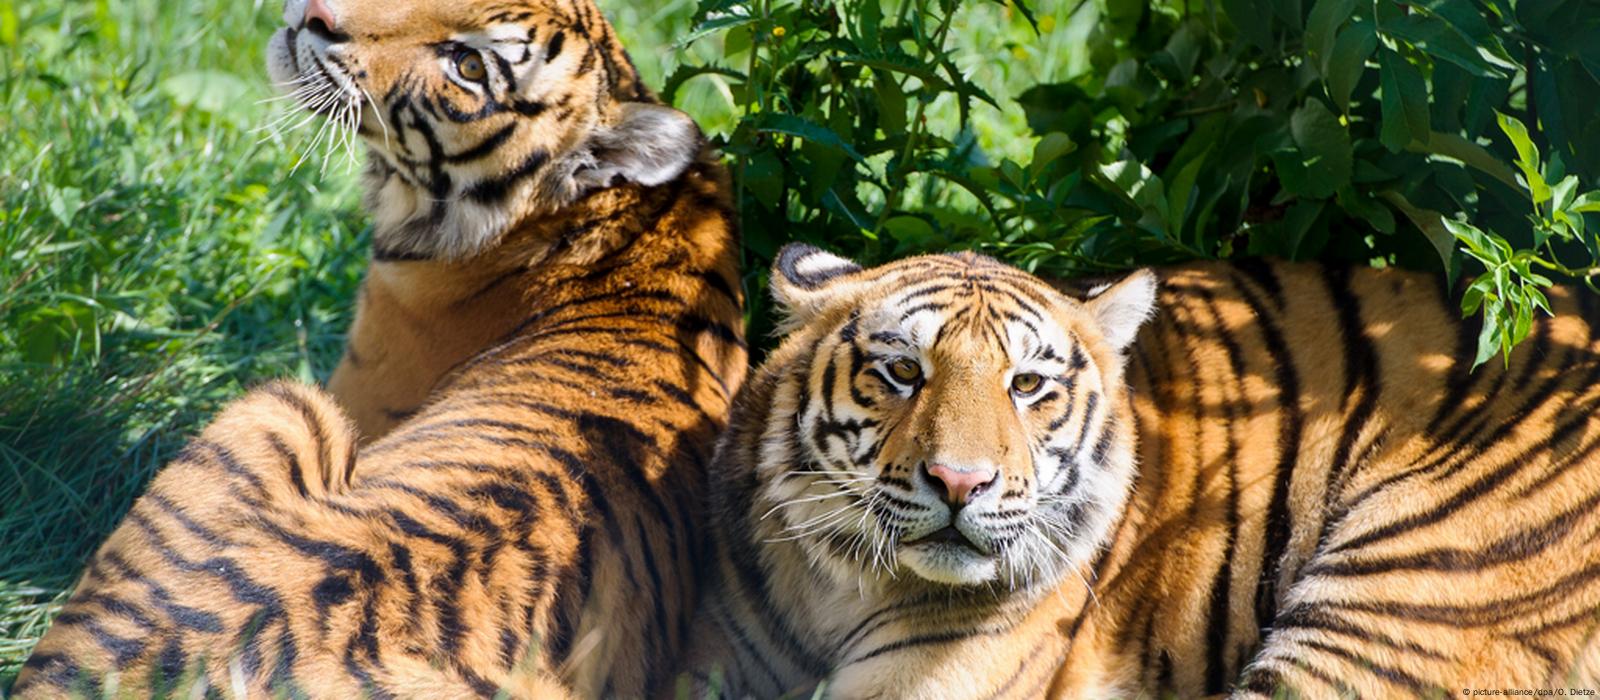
138	622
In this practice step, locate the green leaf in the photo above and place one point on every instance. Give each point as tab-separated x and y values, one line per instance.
1060	107
891	104
1476	240
1562	193
1456	147
1527	157
1428	221
1367	208
1182	51
1405	102
912	230
1325	144
65	202
800	127
1348	61
1253	19
1141	188
1323	25
869	19
902	64
1440	39
763	175
712	26
1051	147
1123	15
685	73
1467	17
1524	323
1297	223
1179	193
1587	203
1489	337
1472	300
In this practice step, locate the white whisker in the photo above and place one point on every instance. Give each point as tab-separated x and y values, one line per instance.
378	111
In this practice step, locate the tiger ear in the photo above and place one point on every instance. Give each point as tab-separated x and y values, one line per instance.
1121	308
650	144
804	277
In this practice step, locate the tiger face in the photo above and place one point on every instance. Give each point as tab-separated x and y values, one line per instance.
953	419
477	114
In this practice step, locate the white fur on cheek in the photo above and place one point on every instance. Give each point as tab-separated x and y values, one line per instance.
294	11
280	65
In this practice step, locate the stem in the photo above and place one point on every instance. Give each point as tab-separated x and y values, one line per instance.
914	130
893	196
1583	272
1197	111
749	81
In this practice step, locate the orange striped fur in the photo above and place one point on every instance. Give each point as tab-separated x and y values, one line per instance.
1326	503
533	526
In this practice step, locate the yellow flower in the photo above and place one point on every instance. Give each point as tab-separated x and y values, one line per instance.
778	32
1047	24
1020	53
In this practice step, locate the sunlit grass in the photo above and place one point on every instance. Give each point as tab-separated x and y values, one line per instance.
157	257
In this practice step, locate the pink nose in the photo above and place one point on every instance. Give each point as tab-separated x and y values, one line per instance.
959	485
317	11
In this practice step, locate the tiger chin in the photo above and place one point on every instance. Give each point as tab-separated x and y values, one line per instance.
935	444
545	348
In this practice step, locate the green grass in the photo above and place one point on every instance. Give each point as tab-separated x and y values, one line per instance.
157	257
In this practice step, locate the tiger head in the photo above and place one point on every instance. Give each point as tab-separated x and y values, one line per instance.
477	114
946	416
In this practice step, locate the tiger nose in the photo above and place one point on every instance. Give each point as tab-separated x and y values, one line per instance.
320	20
957	486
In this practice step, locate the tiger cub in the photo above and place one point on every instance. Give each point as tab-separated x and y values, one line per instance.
1327	500
559	247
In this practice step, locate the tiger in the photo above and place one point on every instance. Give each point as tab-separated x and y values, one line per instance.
565	244
483	134
1256	479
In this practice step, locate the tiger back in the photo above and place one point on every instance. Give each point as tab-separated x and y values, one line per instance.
532	528
1328	502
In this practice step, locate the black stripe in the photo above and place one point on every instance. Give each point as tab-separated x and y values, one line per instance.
488	145
292	460
1361	367
790	257
1290	423
495	189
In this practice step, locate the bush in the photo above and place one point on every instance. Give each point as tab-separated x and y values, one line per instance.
1384	133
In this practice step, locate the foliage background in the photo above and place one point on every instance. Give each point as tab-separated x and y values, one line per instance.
158	255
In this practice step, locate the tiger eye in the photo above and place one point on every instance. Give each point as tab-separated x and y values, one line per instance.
906	370
470	65
1026	383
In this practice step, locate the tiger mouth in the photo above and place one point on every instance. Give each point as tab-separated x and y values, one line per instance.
331	78
947	536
